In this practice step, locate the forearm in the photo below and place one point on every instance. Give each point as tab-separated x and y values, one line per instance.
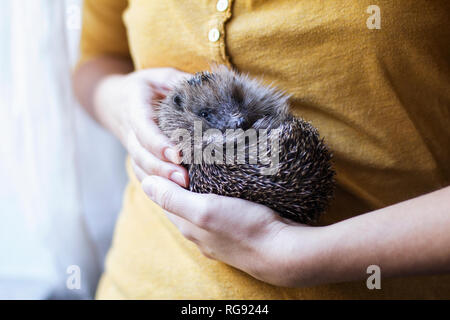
88	80
408	238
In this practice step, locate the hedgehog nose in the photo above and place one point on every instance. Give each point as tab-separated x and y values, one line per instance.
241	123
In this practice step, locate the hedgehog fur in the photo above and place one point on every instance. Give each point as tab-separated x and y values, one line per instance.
302	183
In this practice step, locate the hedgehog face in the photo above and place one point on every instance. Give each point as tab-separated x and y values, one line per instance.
219	113
204	100
223	100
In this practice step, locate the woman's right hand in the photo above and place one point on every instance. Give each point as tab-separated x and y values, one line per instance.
124	105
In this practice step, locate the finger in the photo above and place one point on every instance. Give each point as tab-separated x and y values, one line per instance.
140	174
150	165
177	78
192	233
164	77
186	228
159	93
194	207
147	131
152	139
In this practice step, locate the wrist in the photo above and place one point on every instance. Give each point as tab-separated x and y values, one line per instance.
110	106
310	256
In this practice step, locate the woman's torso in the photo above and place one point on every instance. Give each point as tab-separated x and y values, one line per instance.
379	97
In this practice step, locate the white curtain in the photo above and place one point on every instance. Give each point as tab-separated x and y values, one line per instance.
61	177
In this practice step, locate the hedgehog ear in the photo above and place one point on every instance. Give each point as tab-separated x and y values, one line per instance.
178	100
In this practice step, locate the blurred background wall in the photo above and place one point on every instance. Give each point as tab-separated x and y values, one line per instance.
61	176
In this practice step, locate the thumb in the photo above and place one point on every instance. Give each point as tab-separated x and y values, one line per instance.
173	198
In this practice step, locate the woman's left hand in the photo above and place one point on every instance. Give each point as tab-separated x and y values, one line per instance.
243	234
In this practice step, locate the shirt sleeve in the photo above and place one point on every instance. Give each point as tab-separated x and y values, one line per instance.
103	31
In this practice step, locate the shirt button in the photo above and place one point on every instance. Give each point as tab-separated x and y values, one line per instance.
222	5
214	35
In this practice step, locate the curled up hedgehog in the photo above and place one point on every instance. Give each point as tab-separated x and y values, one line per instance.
238	139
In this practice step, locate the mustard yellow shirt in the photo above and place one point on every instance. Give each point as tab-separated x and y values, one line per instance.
375	82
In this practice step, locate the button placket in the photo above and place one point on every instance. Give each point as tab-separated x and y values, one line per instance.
216	31
222	5
214	35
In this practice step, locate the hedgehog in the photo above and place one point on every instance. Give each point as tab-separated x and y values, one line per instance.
230	109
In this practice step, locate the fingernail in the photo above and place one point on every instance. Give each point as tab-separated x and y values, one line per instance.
178	178
148	185
172	155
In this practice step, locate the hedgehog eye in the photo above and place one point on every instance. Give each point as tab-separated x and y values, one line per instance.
204	113
177	100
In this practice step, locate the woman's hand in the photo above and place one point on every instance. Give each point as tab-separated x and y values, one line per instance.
411	237
124	105
407	238
248	236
